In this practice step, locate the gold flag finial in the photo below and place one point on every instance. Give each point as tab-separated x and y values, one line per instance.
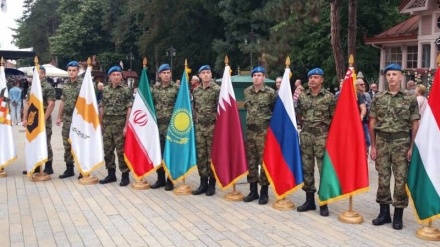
36	60
2	62
186	63
350	60
89	62
287	62
226	60
438	60
144	62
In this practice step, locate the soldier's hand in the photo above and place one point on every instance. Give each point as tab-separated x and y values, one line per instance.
125	129
58	122
373	154
24	122
409	154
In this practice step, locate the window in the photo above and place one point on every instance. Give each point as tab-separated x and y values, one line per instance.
411	59
426	55
393	55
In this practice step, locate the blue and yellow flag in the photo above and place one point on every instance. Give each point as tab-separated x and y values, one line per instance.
179	155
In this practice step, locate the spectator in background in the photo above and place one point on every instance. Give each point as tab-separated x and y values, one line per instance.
278	83
421	99
15	103
99	92
411	87
373	90
298	90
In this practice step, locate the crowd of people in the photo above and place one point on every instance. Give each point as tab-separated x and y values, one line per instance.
389	118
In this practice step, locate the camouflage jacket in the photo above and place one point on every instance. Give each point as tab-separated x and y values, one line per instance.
164	99
394	113
48	93
70	95
205	103
259	105
316	111
116	101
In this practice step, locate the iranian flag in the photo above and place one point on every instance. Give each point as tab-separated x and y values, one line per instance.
142	144
344	168
423	182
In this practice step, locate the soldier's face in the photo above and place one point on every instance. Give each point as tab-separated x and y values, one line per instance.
165	76
41	74
315	81
393	77
73	72
116	77
205	75
258	78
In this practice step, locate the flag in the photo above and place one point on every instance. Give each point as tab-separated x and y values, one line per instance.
180	145
85	134
228	158
36	139
142	144
423	182
7	150
282	156
344	168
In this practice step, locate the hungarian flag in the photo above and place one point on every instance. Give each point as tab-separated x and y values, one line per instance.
85	134
344	168
7	150
282	156
142	144
423	182
36	140
180	145
228	157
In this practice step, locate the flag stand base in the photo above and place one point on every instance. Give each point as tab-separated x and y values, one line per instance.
182	190
428	233
234	196
88	180
3	173
351	217
140	185
284	205
40	177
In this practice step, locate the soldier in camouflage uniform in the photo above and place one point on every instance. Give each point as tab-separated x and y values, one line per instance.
70	94
314	110
114	110
205	109
259	104
164	96
393	114
49	97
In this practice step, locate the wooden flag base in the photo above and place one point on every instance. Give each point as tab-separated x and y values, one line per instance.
182	190
88	180
140	185
3	173
429	233
351	217
40	177
284	205
234	195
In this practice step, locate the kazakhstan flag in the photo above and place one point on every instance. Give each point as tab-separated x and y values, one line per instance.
180	145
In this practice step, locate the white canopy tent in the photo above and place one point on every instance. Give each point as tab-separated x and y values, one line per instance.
51	71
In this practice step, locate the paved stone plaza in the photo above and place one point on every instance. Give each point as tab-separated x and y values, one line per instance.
65	213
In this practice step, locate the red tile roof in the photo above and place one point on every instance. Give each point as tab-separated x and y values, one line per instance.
407	30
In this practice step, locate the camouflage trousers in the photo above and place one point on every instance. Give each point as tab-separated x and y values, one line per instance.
312	147
204	135
114	138
65	131
254	153
391	158
49	136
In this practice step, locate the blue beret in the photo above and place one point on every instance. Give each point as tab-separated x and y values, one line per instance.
258	69
163	67
115	68
204	67
315	71
41	68
392	66
72	64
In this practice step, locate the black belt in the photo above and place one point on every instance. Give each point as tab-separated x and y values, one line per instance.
256	127
393	136
163	121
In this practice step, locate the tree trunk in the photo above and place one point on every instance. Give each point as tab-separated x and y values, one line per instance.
338	53
352	31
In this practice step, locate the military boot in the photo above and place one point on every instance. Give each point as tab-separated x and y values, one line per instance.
211	186
68	172
384	215
203	186
160	179
264	197
323	210
125	180
397	219
48	168
110	178
309	204
253	194
169	185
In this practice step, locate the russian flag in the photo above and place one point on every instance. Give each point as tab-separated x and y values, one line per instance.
282	157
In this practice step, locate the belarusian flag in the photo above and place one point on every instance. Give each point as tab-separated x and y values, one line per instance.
344	168
423	182
142	144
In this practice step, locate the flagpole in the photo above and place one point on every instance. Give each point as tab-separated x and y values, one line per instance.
41	176
350	216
